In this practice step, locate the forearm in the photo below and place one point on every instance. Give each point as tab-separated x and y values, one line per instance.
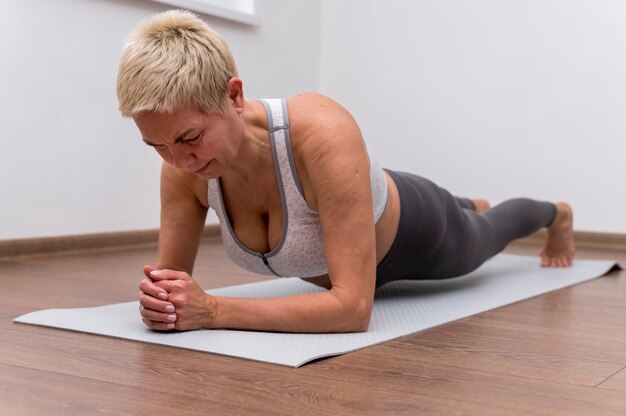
178	245
183	215
312	313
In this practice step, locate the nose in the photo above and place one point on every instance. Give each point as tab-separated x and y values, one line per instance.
182	158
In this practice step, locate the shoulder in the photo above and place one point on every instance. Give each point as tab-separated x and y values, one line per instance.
327	144
318	123
313	110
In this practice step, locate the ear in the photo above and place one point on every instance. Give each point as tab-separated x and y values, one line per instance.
234	93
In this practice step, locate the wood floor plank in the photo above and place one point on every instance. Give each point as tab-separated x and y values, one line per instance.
603	327
616	382
475	347
394	368
34	392
222	380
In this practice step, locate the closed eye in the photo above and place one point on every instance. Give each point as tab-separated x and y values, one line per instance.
193	140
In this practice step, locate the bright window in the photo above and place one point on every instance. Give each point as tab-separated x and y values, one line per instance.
241	11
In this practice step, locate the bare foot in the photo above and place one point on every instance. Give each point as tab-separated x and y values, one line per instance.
559	248
481	205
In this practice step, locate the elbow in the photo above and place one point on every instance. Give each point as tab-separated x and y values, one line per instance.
360	316
363	327
352	313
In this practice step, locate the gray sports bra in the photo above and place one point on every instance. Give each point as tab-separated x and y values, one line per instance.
300	252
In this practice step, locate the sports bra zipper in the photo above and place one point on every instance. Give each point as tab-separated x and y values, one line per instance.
267	263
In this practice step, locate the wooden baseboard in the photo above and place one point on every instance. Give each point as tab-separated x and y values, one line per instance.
583	239
76	243
102	241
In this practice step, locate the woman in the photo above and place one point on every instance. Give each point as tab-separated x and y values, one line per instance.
296	193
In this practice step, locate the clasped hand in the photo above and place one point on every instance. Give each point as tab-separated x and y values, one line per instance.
171	299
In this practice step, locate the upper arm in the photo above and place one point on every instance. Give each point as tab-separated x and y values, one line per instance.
183	214
337	171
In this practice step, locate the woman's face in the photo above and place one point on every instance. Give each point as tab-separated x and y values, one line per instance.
205	144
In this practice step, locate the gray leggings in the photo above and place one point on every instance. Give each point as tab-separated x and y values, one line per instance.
441	236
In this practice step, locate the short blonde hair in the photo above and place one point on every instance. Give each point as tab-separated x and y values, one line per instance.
173	59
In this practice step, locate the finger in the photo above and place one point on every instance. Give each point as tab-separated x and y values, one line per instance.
149	302
156	316
148	287
172	286
158	326
166	274
147	269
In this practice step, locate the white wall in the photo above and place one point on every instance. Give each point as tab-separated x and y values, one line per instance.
487	97
69	164
490	98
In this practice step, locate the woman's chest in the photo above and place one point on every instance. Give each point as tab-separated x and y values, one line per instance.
254	212
266	229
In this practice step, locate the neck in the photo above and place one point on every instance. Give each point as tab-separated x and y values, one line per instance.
254	152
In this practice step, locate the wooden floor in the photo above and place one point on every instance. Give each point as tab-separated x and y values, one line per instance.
560	353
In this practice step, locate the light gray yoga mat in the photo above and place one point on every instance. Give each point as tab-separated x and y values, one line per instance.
400	308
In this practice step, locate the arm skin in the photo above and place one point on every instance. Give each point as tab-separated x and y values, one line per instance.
183	215
334	169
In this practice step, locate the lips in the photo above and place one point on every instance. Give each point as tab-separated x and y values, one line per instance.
203	169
